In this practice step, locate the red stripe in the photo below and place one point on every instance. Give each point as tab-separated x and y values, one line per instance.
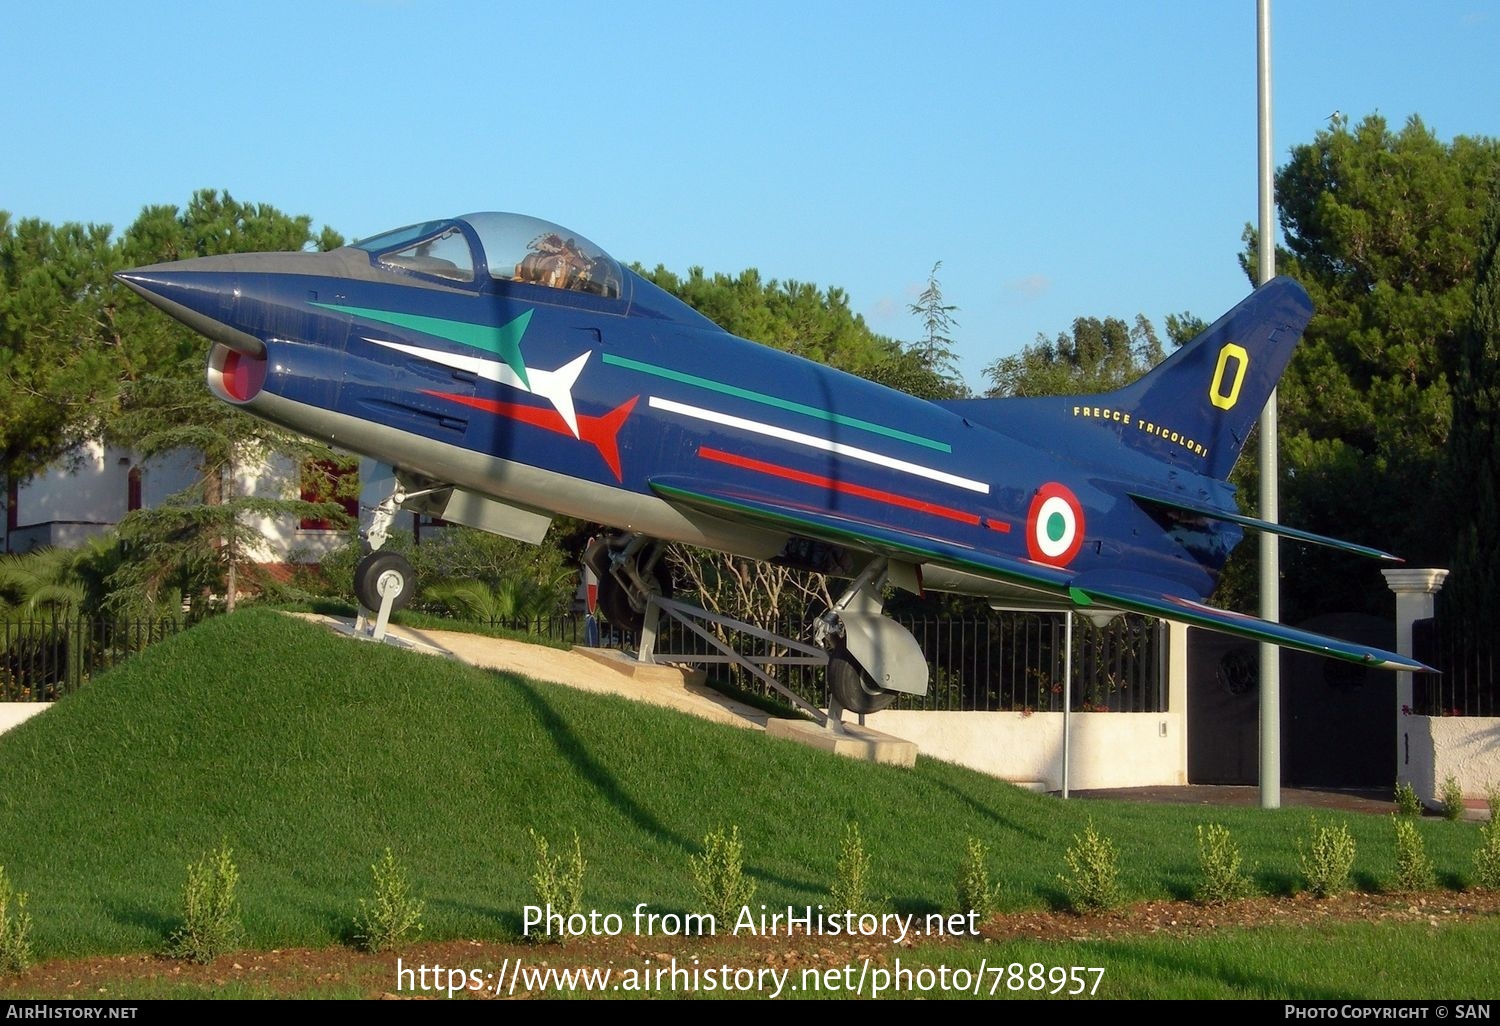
997	525
600	432
844	487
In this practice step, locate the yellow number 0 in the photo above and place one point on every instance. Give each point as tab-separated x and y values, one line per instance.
1216	389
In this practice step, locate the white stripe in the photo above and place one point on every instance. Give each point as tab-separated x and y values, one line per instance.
554	386
814	442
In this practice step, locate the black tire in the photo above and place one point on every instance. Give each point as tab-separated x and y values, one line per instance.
382	565
854	689
614	599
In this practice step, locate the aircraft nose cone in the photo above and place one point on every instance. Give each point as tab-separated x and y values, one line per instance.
200	293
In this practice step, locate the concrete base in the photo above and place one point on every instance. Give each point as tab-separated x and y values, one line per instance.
646	673
855	742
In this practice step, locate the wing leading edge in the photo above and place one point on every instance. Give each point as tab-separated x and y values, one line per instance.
747	506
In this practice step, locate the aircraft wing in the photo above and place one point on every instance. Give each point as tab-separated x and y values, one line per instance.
1175	607
762	510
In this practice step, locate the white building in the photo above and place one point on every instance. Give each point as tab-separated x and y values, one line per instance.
88	494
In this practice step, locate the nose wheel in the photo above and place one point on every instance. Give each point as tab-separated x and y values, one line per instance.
384	574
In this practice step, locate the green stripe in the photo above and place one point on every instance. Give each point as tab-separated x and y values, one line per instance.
771	400
504	341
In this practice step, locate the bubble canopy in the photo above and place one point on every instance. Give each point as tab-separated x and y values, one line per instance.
510	247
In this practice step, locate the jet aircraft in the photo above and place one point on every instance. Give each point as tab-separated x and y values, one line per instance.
508	370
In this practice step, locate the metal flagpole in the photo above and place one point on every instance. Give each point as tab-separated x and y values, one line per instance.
1270	568
1067	693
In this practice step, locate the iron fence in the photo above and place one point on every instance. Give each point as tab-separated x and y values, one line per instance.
1465	684
1006	662
43	659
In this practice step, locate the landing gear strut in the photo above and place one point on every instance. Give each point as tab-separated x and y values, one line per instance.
384	581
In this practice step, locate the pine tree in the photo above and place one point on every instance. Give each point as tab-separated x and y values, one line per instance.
935	348
1474	455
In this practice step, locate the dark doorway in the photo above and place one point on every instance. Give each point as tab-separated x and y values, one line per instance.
1337	726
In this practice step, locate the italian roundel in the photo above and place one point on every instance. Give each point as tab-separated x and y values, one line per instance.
1054	525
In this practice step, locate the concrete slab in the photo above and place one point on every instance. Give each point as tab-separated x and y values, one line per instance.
13	714
852	742
646	673
580	668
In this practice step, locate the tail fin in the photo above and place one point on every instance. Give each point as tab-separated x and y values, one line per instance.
1204	399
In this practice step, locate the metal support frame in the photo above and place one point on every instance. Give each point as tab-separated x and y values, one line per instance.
810	655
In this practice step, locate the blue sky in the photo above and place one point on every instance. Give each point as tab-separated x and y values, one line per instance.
1061	159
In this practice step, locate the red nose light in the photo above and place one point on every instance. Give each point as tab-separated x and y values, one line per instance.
243	376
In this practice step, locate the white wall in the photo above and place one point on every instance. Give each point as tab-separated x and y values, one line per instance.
1105	749
1435	747
71	500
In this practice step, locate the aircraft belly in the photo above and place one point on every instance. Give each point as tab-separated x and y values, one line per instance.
521	484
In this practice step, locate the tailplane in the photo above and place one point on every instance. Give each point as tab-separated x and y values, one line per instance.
1195	409
1203	400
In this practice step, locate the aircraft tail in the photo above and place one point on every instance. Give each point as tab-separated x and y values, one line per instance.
1196	408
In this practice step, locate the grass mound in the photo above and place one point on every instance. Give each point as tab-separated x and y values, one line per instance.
310	754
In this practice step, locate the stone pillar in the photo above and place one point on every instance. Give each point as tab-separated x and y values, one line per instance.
1415	591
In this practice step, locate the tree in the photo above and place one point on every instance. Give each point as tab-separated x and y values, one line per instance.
59	351
1474	454
934	349
1096	356
198	541
795	317
1382	229
200	538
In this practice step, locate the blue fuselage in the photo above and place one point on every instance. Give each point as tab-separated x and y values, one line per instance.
633	410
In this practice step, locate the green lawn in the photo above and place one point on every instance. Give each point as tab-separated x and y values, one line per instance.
311	753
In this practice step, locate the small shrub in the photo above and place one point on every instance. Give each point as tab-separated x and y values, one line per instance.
973	883
1492	799
1094	866
851	886
394	915
719	876
1327	859
1487	858
15	929
1452	798
558	886
1407	802
211	911
1219	858
1414	870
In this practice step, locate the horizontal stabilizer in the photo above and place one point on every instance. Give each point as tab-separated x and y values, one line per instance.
1225	621
1148	502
